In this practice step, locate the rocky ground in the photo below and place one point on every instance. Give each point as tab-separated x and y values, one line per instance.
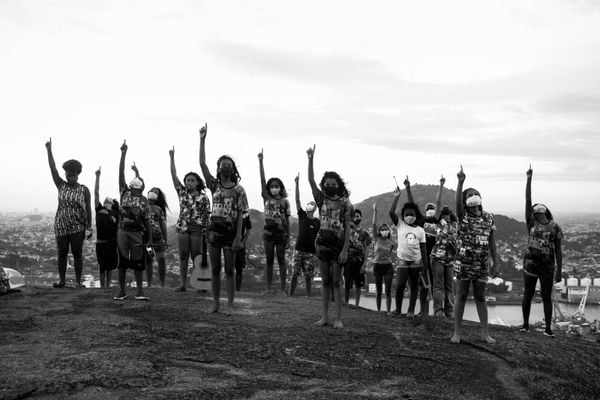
81	344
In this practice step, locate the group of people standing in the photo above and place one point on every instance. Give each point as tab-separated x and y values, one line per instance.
437	253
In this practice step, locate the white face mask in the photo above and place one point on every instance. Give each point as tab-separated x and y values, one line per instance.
275	191
310	207
430	213
384	233
409	219
152	196
474	201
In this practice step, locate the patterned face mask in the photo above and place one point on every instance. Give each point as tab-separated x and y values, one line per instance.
474	201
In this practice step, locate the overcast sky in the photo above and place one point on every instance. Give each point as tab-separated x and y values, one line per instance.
382	88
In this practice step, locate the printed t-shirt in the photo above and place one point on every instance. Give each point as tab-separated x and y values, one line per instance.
430	228
333	215
473	241
542	237
157	216
409	241
228	203
383	249
194	210
445	246
359	240
133	211
276	213
71	215
307	232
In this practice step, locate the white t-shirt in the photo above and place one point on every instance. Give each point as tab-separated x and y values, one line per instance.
409	241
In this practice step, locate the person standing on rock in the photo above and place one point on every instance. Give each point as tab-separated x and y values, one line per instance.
304	252
476	248
356	266
134	220
412	253
225	228
333	237
192	224
107	222
383	253
276	234
543	257
73	220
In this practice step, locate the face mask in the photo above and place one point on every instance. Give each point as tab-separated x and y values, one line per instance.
357	221
108	206
310	208
226	171
152	196
409	219
136	184
331	191
275	191
474	201
430	213
385	233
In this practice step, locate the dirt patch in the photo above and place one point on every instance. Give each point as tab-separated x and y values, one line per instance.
81	344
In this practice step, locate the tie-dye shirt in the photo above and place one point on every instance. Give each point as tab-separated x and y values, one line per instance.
194	209
71	215
333	215
473	243
276	213
444	249
228	203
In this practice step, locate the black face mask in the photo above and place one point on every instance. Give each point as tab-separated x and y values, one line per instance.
357	221
331	191
226	172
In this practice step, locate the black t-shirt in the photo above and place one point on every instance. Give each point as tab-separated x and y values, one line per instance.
106	223
307	232
430	227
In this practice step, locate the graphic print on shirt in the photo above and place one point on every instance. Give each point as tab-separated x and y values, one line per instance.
540	245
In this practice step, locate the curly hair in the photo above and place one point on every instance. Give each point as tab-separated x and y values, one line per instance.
200	186
342	190
236	175
73	166
161	201
420	221
282	191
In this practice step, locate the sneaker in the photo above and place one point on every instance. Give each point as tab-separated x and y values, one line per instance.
410	314
524	329
58	285
144	298
120	297
549	333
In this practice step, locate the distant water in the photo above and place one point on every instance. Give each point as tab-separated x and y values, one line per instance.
500	314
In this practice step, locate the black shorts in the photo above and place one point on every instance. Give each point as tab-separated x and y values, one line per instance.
539	269
382	270
327	254
107	255
352	274
221	236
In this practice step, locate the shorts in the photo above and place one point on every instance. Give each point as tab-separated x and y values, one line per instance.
470	272
131	250
221	240
410	264
274	235
538	269
303	262
107	255
352	274
327	254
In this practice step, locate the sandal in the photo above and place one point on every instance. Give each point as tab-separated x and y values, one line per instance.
120	297
144	298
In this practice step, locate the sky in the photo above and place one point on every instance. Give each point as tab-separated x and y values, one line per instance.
384	89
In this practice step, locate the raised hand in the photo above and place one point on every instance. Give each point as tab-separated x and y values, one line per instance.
297	178
135	168
374	206
461	175
260	155
311	151
98	171
203	131
124	146
442	180
49	144
397	192
406	182
529	172
172	152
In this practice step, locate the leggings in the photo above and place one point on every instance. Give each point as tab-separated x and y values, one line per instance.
75	241
272	249
403	276
546	283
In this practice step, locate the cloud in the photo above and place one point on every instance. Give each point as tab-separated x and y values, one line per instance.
569	103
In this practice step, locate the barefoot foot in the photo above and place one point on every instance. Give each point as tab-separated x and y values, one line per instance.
338	324
455	338
488	339
321	322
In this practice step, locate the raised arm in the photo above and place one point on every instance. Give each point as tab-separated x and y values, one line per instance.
528	206
263	181
205	171
137	175
374	219
55	176
409	195
311	173
393	214
122	183
97	188
438	198
460	211
298	204
174	178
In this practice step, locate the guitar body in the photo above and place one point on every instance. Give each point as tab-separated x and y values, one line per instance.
201	276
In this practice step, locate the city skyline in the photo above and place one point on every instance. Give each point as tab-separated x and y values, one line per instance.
383	90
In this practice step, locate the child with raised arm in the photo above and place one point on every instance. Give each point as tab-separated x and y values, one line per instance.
412	253
543	257
331	197
304	253
476	247
225	227
383	253
107	218
277	224
192	224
